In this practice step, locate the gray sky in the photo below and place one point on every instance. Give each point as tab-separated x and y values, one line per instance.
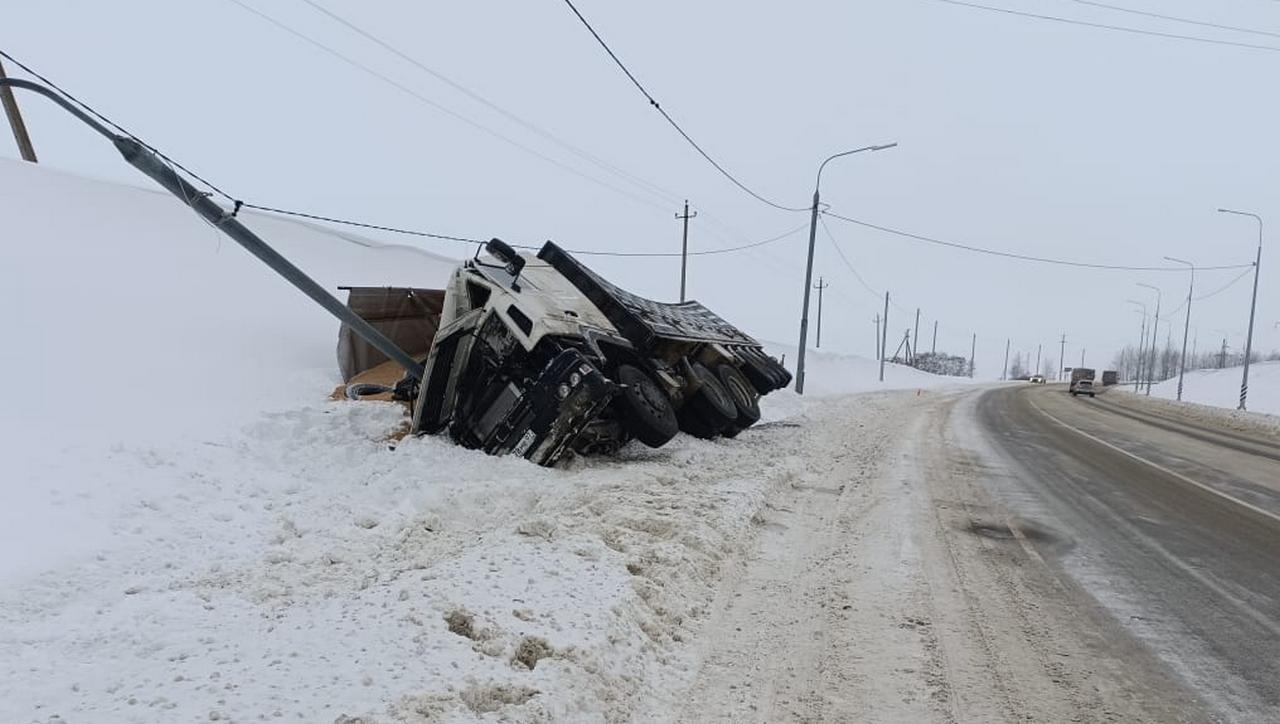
1016	134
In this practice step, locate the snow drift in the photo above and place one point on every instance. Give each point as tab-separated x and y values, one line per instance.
1221	388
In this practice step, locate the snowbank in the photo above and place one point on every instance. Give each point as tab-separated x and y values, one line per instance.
832	374
131	323
1221	388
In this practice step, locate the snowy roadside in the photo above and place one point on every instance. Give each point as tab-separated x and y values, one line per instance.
1244	421
192	543
1216	393
305	569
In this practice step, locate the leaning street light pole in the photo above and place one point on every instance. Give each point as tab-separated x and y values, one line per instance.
1186	328
1253	307
1155	325
808	270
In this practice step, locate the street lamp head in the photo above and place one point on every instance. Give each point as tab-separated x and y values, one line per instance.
1179	261
884	146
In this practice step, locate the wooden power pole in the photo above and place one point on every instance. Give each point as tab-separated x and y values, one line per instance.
15	122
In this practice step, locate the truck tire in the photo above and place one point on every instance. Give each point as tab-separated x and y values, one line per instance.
710	409
744	397
646	410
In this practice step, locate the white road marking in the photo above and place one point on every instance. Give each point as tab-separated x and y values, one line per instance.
1206	579
1161	468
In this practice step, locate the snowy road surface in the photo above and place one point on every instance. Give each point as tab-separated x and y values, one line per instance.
854	558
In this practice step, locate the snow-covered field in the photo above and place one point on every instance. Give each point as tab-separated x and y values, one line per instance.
191	530
1221	388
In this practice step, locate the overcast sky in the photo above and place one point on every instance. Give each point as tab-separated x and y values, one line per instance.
1016	134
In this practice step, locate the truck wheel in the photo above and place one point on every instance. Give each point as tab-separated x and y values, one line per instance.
709	410
744	397
646	409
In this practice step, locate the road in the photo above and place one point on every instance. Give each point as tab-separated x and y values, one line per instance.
1172	527
1007	554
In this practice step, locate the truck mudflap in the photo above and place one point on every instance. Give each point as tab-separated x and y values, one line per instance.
541	423
644	322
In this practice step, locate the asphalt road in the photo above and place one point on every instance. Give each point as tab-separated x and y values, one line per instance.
1171	528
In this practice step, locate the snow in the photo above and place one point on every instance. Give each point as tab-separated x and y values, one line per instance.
1221	388
132	323
192	530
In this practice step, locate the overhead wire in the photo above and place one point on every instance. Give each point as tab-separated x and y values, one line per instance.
1105	26
437	106
123	131
667	116
509	115
1175	19
240	204
639	181
1020	256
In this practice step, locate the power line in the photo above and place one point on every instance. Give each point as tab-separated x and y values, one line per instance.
1104	26
427	101
849	265
586	155
364	225
240	204
1175	19
653	102
1226	286
88	109
1022	257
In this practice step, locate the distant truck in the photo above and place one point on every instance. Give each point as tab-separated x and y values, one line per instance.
1109	378
1081	381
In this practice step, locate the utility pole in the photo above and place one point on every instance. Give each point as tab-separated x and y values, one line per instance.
684	245
884	334
820	286
1186	327
1082	357
1253	307
1222	356
934	349
1155	327
1038	346
915	338
1062	358
877	321
972	351
1005	374
1142	343
20	134
808	268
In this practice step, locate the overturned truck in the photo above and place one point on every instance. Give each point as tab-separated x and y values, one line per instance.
541	357
534	359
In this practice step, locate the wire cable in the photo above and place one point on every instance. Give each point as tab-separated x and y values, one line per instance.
1175	19
1226	286
373	226
1023	257
442	109
89	109
1104	26
848	264
581	153
653	102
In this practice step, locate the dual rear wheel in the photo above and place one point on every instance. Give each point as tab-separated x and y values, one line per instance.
724	402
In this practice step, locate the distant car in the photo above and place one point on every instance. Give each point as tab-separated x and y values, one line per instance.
1036	379
1082	387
